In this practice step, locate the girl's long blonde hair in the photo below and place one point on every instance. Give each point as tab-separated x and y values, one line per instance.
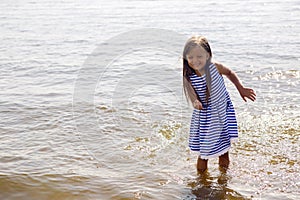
189	91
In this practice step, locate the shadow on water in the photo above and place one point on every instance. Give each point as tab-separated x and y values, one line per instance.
207	187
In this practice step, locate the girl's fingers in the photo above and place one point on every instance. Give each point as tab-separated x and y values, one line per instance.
250	94
252	97
197	104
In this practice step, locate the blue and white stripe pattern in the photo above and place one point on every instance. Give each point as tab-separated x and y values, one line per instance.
214	127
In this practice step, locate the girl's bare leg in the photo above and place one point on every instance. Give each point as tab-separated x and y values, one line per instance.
201	165
224	160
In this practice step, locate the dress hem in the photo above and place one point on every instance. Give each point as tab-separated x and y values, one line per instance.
215	155
232	140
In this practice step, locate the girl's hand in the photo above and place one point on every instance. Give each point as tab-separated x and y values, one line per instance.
247	92
197	104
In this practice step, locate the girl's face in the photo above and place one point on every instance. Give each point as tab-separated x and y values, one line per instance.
197	58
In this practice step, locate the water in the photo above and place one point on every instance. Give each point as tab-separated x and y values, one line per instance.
130	140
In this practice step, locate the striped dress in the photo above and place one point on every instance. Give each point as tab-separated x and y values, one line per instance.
214	127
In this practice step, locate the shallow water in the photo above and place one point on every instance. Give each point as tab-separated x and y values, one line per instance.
126	136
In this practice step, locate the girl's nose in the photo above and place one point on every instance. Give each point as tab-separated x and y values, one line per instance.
194	61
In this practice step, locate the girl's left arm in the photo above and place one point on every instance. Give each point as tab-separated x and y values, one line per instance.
231	75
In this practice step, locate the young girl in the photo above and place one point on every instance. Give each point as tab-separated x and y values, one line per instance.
213	124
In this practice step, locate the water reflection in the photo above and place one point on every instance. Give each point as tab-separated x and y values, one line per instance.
209	187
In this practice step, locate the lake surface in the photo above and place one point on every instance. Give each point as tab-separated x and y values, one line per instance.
92	107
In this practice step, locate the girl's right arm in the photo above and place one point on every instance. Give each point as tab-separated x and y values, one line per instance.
192	95
197	104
